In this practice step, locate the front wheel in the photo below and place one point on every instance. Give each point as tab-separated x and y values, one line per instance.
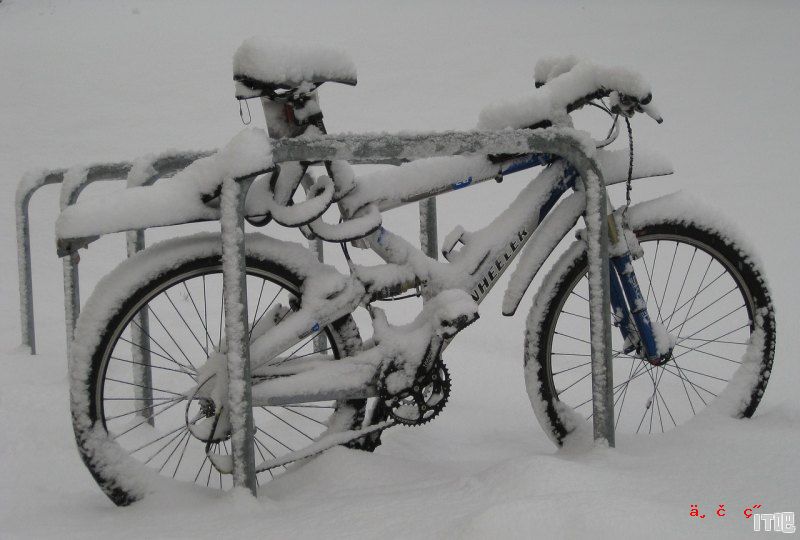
703	288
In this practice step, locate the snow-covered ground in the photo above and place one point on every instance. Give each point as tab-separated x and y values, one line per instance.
97	81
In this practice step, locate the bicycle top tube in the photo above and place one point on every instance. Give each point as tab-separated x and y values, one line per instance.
417	180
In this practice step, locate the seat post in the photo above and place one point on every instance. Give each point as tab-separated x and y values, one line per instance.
291	116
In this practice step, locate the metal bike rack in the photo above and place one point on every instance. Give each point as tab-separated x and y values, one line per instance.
81	177
357	149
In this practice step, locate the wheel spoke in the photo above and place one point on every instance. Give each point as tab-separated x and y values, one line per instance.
680	292
709	305
146	419
303	433
180	433
275	439
288	408
571	368
170	336
183	452
145	408
697	292
559	392
180	315
180	441
186	368
153	366
697	349
207	336
669	275
726	334
146	387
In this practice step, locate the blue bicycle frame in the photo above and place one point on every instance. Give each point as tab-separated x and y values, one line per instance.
627	301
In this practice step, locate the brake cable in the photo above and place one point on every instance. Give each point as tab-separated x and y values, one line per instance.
629	183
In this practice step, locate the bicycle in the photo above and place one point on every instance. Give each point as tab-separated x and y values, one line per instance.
163	405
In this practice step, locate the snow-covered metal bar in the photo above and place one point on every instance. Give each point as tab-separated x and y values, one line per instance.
575	147
74	182
428	228
380	148
236	332
317	246
30	184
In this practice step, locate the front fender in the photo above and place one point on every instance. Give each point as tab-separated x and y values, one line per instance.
614	165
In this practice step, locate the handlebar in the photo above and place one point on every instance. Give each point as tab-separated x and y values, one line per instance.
566	84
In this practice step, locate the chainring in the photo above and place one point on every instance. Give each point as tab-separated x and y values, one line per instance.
422	401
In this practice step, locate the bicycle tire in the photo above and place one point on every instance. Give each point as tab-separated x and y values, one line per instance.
562	405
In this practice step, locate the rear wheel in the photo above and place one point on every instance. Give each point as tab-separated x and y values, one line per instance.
173	322
703	289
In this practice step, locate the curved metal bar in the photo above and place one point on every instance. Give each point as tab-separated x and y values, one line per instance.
32	182
29	184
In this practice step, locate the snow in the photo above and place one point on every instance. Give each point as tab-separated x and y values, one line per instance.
567	82
289	63
646	163
130	84
176	200
74	182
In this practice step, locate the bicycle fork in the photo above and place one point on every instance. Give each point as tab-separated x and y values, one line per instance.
627	302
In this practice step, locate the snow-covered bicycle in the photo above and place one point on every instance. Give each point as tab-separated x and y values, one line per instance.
694	325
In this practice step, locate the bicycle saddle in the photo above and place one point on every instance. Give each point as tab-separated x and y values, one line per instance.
262	67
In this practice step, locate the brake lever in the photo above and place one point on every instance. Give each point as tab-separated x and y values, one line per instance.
651	111
627	105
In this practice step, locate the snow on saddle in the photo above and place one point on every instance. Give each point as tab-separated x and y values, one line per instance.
262	67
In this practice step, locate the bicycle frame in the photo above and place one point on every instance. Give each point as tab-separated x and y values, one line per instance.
476	269
506	238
